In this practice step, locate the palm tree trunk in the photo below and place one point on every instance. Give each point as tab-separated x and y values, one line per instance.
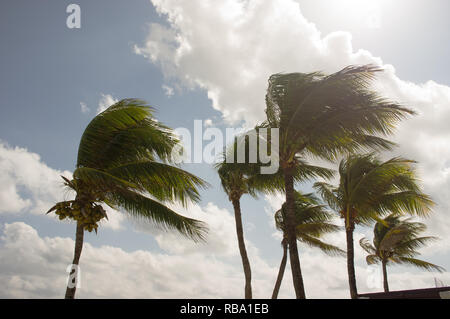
351	262
276	289
385	279
242	250
291	235
70	292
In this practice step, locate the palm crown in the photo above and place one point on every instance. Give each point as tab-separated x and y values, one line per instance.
312	222
123	161
397	241
369	188
327	114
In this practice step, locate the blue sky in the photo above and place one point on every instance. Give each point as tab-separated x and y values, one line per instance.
216	58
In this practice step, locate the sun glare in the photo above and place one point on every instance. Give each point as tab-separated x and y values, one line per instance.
364	11
359	5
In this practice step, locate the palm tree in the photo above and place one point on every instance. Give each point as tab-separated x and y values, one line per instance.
235	184
238	179
325	115
312	221
123	162
369	189
396	241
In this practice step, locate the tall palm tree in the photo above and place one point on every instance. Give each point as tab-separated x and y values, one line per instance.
325	115
312	222
123	162
238	179
235	184
396	241
369	189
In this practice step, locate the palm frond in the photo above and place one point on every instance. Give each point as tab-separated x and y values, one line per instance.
147	209
330	114
124	132
325	247
367	246
418	263
372	259
328	193
396	240
92	178
163	181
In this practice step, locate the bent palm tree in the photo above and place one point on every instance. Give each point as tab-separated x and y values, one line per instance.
235	184
239	178
325	115
369	189
396	241
312	222
123	161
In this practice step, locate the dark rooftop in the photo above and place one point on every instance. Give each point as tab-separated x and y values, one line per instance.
428	293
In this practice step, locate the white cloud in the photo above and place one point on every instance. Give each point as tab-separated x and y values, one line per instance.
115	219
221	238
35	267
106	101
84	108
208	123
168	90
253	39
365	12
232	60
29	185
250	41
27	182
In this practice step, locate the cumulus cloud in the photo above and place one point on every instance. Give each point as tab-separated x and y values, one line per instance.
106	101
35	267
168	90
220	240
253	39
28	185
250	41
27	182
84	108
208	123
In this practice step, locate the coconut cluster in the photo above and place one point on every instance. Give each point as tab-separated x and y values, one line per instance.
88	214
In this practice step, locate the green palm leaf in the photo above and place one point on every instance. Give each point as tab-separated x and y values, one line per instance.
163	181
147	209
396	241
124	132
312	222
418	263
324	247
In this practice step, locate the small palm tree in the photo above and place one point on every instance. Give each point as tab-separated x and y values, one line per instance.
123	162
396	241
325	115
368	190
312	222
